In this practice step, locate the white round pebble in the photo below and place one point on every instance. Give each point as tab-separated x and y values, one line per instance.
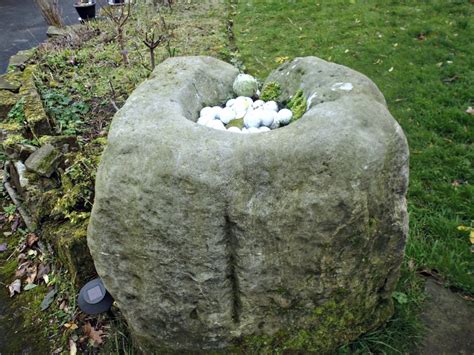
248	100
216	124
242	101
258	116
252	119
204	120
240	107
275	124
217	111
270	105
226	115
284	116
267	117
230	103
258	103
234	129
206	111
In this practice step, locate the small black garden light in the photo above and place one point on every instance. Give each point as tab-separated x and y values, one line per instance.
94	298
116	2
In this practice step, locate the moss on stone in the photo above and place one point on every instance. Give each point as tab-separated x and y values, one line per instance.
35	114
12	139
332	324
297	105
11	126
70	241
11	81
271	91
7	101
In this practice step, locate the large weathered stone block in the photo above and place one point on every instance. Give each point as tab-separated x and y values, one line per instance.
35	115
7	100
206	237
44	161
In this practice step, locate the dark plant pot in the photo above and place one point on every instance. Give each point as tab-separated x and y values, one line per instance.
116	2
85	11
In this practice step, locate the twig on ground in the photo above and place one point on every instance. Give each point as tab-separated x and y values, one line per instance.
14	197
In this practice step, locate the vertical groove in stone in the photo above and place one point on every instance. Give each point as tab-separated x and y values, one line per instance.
232	266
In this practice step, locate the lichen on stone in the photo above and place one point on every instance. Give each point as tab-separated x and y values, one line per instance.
271	91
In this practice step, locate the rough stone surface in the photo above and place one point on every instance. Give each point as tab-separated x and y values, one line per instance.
63	143
7	101
35	115
19	179
44	160
10	81
54	31
18	61
297	233
448	321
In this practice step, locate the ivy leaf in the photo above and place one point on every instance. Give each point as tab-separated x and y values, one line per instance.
48	299
29	287
400	297
94	335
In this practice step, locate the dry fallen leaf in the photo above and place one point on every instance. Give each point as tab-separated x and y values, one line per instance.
281	60
71	325
21	271
21	256
14	287
94	335
31	239
42	271
3	247
72	347
421	36
470	110
61	307
31	274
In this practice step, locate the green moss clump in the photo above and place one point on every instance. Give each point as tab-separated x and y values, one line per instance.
271	91
12	139
11	126
297	105
329	326
7	270
70	241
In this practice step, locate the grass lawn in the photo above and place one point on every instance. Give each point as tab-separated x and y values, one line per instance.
420	55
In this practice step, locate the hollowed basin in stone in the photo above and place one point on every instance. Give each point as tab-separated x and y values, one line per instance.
207	239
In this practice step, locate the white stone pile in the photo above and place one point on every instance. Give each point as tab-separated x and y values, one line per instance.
258	116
